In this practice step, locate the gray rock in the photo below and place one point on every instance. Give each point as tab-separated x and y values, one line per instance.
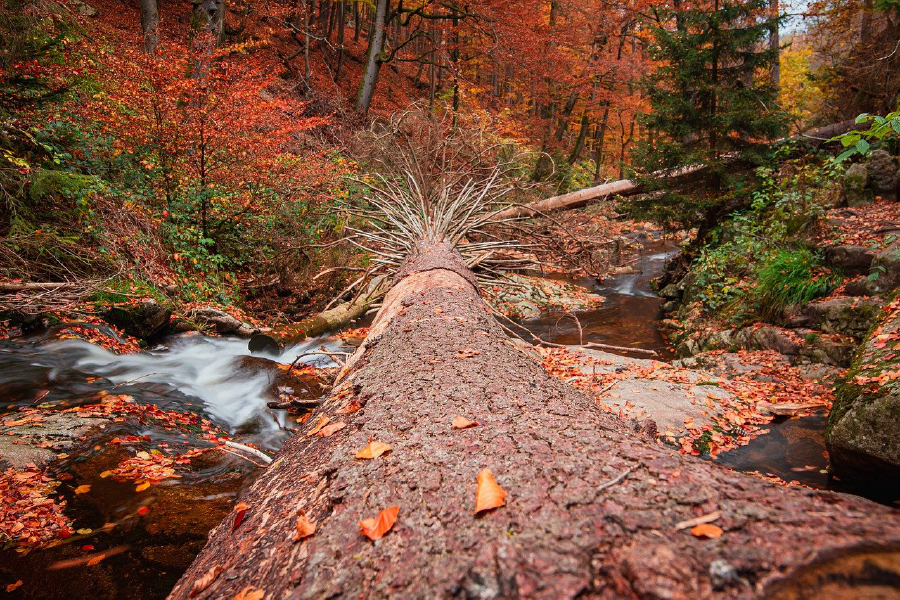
85	9
861	436
21	444
142	320
855	190
671	292
882	168
886	270
851	260
845	316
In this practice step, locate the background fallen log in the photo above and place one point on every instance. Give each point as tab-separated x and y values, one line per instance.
593	501
273	342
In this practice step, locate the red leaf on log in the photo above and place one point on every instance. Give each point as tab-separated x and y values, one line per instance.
373	450
462	422
250	593
206	581
240	509
12	586
707	530
331	429
322	422
375	528
489	494
305	527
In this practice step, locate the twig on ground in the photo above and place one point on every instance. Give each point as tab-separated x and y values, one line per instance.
613	482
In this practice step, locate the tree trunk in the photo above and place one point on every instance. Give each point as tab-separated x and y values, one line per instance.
579	142
150	25
209	17
373	59
342	24
775	45
592	502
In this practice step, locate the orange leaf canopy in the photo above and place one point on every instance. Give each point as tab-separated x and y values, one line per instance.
462	422
489	495
305	527
373	450
375	528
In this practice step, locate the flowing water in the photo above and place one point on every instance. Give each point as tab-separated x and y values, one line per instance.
630	313
148	537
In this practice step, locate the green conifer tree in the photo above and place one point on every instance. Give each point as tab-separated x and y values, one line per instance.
712	103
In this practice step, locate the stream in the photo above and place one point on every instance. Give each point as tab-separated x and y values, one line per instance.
148	538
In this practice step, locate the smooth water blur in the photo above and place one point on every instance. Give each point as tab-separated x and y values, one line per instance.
192	373
629	315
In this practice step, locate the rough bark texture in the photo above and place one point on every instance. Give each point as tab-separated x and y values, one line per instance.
435	352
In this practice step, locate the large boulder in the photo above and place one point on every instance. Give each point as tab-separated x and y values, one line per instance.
141	319
886	269
861	437
882	168
850	260
855	190
845	316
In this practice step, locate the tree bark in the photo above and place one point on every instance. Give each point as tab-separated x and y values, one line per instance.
592	502
373	59
150	25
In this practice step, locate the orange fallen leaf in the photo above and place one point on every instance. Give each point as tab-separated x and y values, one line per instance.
489	495
206	581
373	450
351	408
105	474
707	530
12	586
305	527
240	509
331	429
462	422
250	593
375	528
142	486
467	353
96	560
143	510
322	422
83	489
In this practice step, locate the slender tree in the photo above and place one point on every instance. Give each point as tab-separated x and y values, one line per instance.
150	25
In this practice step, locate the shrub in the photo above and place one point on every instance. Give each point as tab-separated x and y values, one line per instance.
790	277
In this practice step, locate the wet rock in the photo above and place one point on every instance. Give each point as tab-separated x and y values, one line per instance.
845	316
855	190
22	444
850	260
861	436
671	292
141	320
882	168
283	382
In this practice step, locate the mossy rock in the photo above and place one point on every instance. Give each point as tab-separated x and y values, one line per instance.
142	319
861	437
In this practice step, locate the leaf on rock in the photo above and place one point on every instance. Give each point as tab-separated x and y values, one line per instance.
12	586
83	489
489	495
375	528
331	429
143	510
240	509
305	527
206	581
250	593
322	422
142	486
95	560
463	423
373	450
707	531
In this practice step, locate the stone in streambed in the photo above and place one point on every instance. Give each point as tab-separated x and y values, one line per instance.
862	435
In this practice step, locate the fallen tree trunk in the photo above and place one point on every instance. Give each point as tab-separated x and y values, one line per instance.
593	501
626	187
274	342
